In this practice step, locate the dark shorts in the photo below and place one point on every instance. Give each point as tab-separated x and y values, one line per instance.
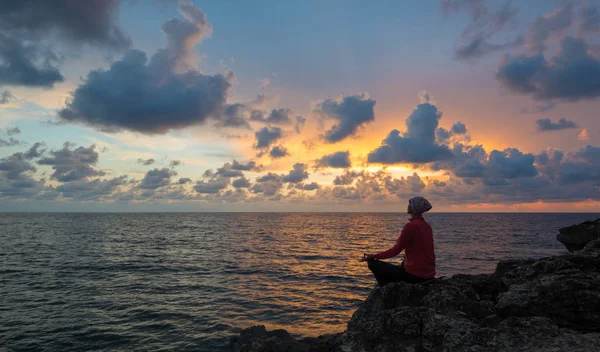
386	272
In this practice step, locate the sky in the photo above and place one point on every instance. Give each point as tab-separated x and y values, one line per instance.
189	105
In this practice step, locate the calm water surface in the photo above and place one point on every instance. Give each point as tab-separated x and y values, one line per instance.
188	281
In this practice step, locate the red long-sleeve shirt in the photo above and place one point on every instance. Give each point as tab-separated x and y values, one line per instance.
416	239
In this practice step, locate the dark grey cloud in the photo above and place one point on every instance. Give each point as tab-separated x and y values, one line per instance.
157	178
346	178
6	96
11	131
458	128
590	19
572	75
175	163
156	95
308	186
91	190
509	164
227	171
418	144
477	39
27	64
85	21
249	166
544	125
241	183
579	167
269	177
278	152
300	121
268	185
211	186
10	142
481	46
146	161
145	101
26	59
549	24
14	166
276	117
72	164
297	174
15	177
350	113
266	136
234	115
539	108
336	160
184	180
34	151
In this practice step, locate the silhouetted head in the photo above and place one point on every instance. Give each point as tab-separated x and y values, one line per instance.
418	205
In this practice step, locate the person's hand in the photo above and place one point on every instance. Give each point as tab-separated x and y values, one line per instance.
367	257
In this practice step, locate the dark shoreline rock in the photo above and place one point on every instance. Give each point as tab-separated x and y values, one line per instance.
526	305
576	237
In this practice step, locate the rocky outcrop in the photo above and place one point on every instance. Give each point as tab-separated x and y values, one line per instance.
576	237
550	304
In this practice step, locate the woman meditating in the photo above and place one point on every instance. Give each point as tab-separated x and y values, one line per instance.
416	239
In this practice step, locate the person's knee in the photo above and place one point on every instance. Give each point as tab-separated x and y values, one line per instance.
372	263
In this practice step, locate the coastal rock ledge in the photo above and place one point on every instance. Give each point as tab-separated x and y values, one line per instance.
550	304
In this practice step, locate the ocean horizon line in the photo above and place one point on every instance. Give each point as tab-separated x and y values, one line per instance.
293	212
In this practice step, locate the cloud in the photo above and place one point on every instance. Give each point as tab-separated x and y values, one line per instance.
34	151
300	121
88	22
227	171
157	178
544	125
234	116
249	166
278	152
15	177
547	25
350	112
72	164
25	57
417	145
91	190
297	174
308	186
6	96
174	163
145	161
477	39
27	64
572	75
14	166
184	180
590	19
212	186
276	117
584	135
241	183
266	136
157	95
539	108
335	160
11	142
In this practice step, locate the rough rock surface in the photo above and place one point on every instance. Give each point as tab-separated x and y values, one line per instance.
577	236
550	304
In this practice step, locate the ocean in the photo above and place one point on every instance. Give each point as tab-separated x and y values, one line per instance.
189	281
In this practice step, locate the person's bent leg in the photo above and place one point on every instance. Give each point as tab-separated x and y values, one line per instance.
385	272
